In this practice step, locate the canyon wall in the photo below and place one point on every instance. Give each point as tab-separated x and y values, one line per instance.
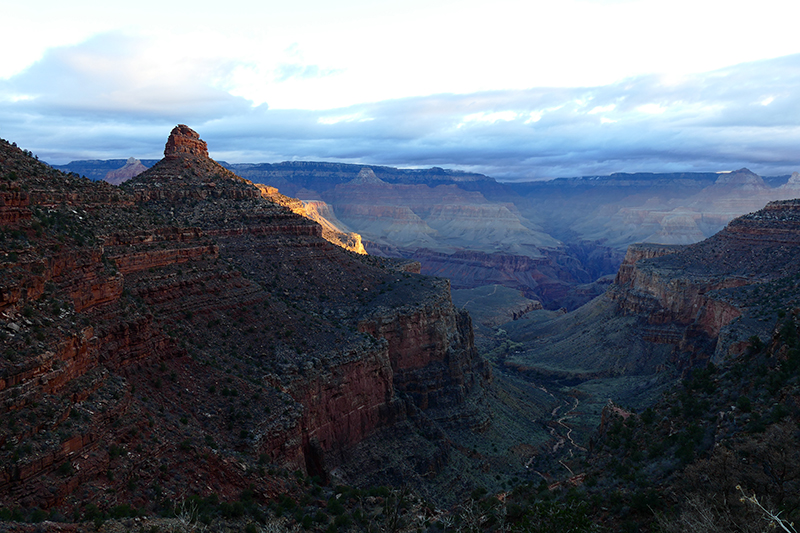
686	284
190	320
431	350
672	308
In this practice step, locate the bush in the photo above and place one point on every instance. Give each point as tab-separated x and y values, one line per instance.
91	512
232	510
342	520
66	469
124	511
335	507
478	493
744	404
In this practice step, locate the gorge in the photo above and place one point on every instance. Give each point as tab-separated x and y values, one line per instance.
199	335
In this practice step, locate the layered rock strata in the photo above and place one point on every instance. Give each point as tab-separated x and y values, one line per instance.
184	140
190	322
687	285
133	167
672	308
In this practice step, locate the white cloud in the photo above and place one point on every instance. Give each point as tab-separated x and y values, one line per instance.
651	109
125	76
534	116
17	97
391	49
115	96
603	109
355	117
490	117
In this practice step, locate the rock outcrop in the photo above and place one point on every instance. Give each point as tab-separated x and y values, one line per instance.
184	140
431	349
688	285
366	176
401	211
332	229
190	321
494	305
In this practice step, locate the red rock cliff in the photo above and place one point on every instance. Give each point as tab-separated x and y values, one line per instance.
683	284
190	318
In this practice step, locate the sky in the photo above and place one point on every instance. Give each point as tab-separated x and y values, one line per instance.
517	90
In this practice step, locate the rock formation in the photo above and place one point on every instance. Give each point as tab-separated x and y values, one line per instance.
791	189
404	212
494	305
672	308
332	230
133	167
366	176
184	140
687	285
188	327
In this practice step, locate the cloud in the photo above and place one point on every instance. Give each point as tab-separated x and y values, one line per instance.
114	96
288	71
113	76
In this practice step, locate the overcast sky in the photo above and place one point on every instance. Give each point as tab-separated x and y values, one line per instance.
514	89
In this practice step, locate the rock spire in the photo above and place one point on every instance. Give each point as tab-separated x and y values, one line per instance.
184	140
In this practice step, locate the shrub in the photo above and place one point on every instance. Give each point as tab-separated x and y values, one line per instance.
66	469
335	507
743	403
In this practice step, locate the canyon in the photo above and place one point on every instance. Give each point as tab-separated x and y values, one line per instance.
670	309
560	241
197	330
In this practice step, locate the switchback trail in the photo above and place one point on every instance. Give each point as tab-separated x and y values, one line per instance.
561	432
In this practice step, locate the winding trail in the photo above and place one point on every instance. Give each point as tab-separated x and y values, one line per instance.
564	437
494	290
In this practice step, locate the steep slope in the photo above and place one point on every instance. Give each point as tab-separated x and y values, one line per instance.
719	447
332	229
463	226
407	213
185	332
672	308
702	285
451	216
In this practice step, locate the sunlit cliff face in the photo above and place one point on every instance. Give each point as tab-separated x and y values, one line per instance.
332	229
